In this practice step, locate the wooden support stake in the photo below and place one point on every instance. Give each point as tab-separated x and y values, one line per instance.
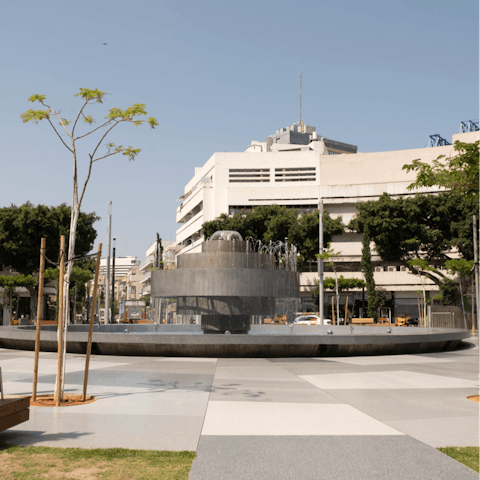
39	315
92	318
333	312
60	322
473	305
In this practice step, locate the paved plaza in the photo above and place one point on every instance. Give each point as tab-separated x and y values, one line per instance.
310	418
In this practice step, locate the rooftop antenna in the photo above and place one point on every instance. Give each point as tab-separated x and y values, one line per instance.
301	97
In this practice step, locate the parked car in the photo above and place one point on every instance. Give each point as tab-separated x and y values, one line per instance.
311	320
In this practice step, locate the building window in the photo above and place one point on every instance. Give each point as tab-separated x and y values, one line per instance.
301	174
248	175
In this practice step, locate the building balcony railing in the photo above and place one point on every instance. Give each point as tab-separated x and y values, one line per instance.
147	262
191	220
145	277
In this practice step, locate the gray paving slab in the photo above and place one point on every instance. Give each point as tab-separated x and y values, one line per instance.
265	373
318	458
153	380
240	362
466	370
144	432
441	431
296	360
328	367
269	391
411	404
205	368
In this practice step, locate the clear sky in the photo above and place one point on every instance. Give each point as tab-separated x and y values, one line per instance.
383	75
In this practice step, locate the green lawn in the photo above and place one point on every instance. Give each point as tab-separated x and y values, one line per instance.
29	463
466	455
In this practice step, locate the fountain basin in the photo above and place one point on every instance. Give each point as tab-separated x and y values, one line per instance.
261	341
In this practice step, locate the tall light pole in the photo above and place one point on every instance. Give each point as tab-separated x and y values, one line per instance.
113	281
320	260
475	257
107	278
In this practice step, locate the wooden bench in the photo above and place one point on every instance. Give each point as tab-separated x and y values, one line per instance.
12	410
363	321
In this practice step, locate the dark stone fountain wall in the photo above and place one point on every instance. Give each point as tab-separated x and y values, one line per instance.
225	284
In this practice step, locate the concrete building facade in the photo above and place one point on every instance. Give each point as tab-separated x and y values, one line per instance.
296	175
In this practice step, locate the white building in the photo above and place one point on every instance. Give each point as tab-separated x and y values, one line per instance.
128	287
122	265
295	167
147	265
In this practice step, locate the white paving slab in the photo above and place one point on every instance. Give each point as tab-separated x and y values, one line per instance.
387	360
262	418
386	380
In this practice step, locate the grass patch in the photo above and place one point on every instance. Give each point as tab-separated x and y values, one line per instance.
466	455
29	463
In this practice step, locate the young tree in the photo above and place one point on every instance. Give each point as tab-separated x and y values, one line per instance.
341	285
134	114
10	282
329	257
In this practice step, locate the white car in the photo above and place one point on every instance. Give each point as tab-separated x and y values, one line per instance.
311	320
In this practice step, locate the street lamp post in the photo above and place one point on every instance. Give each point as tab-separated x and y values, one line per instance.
113	280
320	260
106	318
475	262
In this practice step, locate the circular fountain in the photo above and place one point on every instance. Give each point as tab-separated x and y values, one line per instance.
231	287
230	282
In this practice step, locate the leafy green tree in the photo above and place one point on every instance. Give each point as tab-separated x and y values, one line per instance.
82	272
423	227
275	222
306	234
10	282
343	285
134	115
459	172
22	228
463	268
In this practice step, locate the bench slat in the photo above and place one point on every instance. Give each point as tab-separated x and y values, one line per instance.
15	419
9	406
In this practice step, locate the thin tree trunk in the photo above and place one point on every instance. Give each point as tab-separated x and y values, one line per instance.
58	392
463	305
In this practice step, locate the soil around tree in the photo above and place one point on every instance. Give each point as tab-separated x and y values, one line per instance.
69	400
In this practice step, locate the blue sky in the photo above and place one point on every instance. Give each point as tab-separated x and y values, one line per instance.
216	75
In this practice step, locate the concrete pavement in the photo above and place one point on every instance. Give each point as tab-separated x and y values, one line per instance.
311	418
